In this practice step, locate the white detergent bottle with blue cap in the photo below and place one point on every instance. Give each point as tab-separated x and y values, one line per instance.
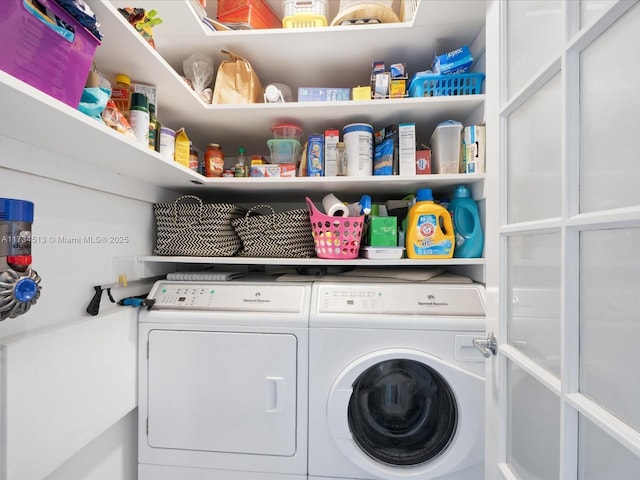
466	224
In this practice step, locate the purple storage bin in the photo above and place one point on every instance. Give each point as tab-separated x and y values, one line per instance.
33	51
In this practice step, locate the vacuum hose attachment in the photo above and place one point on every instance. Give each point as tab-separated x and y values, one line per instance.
18	291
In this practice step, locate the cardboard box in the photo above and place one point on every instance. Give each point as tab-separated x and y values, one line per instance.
313	94
407	147
287	170
455	62
181	152
382	231
272	170
423	162
331	139
380	85
256	13
315	155
362	93
398	88
473	149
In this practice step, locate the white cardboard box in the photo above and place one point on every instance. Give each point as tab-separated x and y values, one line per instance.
331	139
407	147
473	149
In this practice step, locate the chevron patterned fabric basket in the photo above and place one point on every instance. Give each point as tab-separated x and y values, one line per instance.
275	235
190	227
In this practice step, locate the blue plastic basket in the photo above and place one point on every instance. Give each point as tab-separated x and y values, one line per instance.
445	85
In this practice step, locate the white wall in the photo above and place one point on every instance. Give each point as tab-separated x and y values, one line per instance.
68	220
112	456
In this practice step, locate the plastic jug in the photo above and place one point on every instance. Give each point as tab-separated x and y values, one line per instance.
466	224
429	232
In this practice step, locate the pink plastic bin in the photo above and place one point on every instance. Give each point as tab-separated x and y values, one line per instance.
36	54
337	238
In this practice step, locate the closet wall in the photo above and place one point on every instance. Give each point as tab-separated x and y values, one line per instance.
55	360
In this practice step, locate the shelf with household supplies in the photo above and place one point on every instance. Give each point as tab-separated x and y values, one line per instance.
114	152
271	52
298	57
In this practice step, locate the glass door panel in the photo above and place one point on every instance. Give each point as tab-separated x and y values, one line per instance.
534	133
593	9
534	34
533	324
565	117
601	457
610	320
609	97
533	427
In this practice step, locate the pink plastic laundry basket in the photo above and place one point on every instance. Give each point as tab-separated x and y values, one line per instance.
336	238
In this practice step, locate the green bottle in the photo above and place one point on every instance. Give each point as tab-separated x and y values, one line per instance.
154	129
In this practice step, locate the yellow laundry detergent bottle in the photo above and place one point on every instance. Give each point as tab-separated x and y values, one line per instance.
429	228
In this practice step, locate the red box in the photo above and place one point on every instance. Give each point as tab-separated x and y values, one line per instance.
255	13
423	162
38	55
287	169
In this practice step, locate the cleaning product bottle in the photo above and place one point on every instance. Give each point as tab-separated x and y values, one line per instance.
139	117
429	232
466	224
241	167
154	129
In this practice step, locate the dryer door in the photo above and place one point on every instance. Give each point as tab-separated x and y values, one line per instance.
229	392
400	413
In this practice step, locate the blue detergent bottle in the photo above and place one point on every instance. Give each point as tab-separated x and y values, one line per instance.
466	224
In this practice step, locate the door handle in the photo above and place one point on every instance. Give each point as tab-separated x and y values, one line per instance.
487	346
273	394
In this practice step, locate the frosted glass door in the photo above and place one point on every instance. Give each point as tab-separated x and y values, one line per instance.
564	388
222	392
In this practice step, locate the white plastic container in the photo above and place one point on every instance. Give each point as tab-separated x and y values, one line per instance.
304	7
277	93
345	4
446	143
139	117
382	253
167	142
358	141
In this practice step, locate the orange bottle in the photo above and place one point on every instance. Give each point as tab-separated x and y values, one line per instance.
121	94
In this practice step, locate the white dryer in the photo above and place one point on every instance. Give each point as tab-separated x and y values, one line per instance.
396	387
223	381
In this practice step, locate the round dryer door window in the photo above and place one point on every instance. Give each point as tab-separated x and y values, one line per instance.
402	412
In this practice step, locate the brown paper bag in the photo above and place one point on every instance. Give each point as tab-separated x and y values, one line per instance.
237	82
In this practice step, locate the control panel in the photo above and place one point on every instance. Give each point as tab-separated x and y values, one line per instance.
228	296
403	299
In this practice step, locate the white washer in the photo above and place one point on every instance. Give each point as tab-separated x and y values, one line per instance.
223	381
396	387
